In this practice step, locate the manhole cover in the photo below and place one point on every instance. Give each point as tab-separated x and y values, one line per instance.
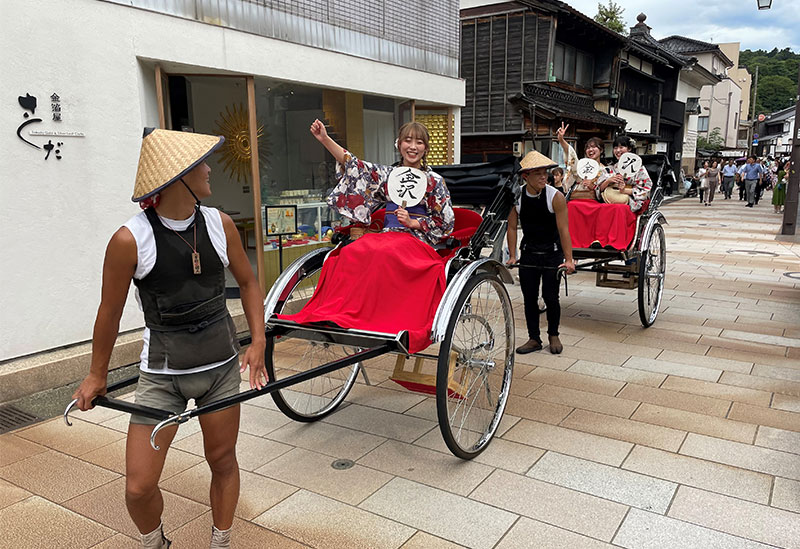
794	274
13	418
342	464
752	252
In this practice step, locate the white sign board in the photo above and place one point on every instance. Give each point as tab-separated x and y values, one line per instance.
406	185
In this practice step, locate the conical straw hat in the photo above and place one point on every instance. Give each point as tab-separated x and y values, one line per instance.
535	159
169	155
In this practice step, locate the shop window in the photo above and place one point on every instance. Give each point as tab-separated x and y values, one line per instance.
437	122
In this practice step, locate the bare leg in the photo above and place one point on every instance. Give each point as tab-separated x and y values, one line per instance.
220	431
143	469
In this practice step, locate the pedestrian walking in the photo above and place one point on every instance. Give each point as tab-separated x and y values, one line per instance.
175	251
728	177
546	246
702	177
752	174
779	191
713	178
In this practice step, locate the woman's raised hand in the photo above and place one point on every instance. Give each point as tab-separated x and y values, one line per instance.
318	130
560	132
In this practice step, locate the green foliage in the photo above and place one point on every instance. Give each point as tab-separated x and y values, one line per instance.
610	16
777	77
714	142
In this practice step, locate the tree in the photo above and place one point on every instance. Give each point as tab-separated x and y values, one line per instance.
611	16
714	142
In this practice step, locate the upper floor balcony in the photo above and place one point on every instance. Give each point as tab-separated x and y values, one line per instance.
415	34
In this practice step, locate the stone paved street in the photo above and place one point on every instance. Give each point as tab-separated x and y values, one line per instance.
683	435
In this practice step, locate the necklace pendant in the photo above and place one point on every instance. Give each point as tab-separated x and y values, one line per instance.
196	263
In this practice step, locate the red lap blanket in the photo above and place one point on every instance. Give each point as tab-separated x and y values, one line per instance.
382	282
610	224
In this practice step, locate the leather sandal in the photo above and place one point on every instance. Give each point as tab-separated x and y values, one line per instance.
530	346
555	345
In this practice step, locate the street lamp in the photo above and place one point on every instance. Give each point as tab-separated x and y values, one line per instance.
764	4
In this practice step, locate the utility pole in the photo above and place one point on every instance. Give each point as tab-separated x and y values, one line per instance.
752	116
790	206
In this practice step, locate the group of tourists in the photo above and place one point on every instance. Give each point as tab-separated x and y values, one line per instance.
753	176
176	251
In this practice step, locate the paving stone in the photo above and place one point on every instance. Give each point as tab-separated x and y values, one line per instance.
380	422
778	439
587	401
573	380
734	516
251	451
575	511
536	409
673	368
423	540
765	416
695	423
260	421
106	505
313	471
245	535
643	530
112	457
761	383
786	494
464	521
634	350
10	494
533	534
717	390
324	523
619	373
257	493
584	445
14	448
35	523
676	399
327	438
708	475
56	476
79	439
377	397
777	372
644	492
625	429
501	454
746	456
787	403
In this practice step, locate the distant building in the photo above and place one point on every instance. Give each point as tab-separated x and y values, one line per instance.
775	134
721	103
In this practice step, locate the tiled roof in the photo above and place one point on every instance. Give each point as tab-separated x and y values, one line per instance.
567	104
685	45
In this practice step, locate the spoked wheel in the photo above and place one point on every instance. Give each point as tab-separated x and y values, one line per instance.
476	360
652	268
317	397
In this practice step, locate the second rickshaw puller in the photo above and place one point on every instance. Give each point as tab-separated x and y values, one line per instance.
546	246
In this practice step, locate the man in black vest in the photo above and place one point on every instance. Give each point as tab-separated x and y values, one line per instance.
176	252
546	246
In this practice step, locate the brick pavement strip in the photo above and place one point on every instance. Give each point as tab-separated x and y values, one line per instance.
683	435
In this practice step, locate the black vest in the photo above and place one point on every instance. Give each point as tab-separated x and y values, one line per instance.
188	319
539	228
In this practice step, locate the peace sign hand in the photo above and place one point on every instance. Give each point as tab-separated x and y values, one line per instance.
560	132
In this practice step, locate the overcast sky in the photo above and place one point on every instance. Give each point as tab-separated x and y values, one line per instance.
714	20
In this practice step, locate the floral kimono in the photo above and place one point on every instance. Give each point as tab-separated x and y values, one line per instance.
361	189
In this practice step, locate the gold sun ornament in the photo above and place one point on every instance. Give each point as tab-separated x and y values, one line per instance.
236	151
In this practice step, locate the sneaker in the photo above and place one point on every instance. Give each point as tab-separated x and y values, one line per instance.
555	345
530	346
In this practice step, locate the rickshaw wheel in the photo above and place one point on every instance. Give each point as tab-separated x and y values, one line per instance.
476	360
318	397
652	268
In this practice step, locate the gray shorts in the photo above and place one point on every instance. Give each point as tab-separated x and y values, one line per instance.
172	392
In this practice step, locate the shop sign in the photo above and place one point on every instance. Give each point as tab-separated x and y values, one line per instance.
29	103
